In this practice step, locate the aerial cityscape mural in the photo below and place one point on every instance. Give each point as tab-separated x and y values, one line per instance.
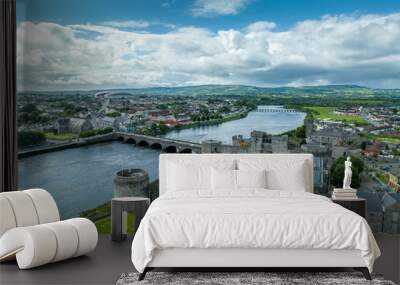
106	89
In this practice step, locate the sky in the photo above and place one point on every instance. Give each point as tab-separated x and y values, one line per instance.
98	44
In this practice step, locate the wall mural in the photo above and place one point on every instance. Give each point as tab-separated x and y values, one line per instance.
105	86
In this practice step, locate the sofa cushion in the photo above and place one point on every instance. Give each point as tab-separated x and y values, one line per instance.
41	244
46	207
24	209
7	220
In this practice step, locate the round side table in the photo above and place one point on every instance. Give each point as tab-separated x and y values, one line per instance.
119	213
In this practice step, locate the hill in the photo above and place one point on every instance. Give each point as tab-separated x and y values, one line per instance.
343	91
241	90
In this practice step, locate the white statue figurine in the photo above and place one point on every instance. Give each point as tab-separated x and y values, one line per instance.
347	174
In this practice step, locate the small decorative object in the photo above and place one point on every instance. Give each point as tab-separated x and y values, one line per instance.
347	174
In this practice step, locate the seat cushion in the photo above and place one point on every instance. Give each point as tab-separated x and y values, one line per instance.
32	246
37	245
23	208
7	220
67	240
46	207
26	208
87	234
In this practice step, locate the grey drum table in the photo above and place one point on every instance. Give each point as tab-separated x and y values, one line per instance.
119	212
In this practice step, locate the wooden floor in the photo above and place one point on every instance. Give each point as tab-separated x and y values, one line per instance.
103	266
110	260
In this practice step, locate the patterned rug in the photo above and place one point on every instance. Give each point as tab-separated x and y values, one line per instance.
243	278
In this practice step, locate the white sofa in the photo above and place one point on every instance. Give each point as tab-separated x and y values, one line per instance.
31	231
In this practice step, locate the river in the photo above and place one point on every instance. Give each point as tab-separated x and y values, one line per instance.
82	178
272	123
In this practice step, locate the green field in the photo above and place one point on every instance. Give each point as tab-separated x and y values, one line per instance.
325	113
104	225
60	137
383	177
387	139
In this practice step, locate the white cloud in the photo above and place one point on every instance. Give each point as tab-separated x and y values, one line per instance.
332	50
127	24
260	26
210	8
132	24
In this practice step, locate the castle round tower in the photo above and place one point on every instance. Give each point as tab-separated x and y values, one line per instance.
131	182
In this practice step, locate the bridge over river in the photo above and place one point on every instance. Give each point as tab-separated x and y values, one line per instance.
269	109
165	144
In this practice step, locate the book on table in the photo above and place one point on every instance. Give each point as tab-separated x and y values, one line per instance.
339	197
340	193
341	190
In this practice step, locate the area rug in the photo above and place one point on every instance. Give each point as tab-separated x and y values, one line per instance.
269	278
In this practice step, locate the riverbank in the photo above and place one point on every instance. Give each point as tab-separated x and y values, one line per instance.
163	130
212	122
67	145
274	123
79	142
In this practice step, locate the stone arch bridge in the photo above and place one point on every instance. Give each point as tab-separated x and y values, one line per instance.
275	110
164	144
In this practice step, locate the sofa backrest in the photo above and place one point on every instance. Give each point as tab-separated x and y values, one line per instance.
285	161
26	208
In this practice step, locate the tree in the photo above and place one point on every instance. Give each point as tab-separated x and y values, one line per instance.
248	103
300	132
363	145
337	171
29	108
30	138
204	110
87	134
153	129
113	114
163	128
224	109
104	131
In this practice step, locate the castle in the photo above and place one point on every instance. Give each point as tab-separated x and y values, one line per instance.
259	142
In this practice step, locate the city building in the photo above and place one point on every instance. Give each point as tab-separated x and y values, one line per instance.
105	122
394	182
391	208
62	125
321	175
261	142
79	125
372	150
374	210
